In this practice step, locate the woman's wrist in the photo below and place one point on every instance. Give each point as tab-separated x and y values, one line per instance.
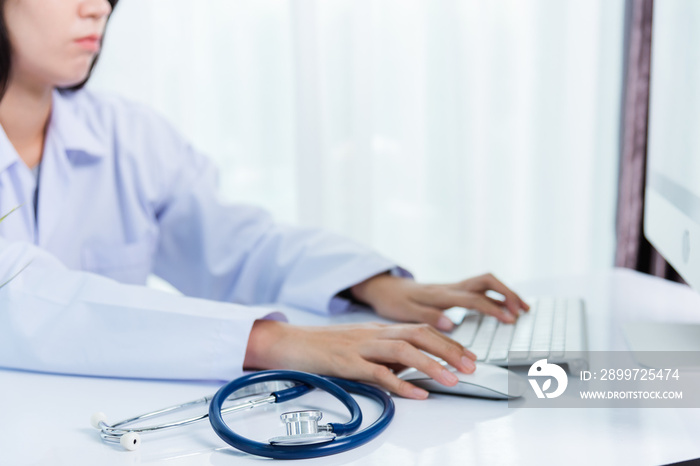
261	342
370	291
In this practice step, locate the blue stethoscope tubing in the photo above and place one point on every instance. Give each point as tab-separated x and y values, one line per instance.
347	438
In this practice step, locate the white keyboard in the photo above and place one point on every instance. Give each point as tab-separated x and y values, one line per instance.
554	329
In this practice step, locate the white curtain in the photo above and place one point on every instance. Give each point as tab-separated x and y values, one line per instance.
454	136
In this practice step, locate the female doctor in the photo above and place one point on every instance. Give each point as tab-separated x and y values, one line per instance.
109	193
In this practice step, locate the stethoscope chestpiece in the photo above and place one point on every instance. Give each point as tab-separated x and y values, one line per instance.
303	429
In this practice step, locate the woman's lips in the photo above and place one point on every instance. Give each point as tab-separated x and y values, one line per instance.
90	43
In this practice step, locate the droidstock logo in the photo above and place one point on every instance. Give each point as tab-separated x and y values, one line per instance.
543	369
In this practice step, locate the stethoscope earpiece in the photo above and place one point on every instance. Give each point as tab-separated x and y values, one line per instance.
97	419
130	441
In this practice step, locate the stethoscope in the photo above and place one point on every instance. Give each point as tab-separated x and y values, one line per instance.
304	438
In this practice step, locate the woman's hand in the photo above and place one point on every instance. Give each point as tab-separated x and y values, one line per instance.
365	352
405	300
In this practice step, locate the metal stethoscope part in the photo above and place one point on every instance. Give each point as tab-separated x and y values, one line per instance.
130	438
305	437
303	429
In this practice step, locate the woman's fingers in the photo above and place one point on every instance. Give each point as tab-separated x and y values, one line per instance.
489	282
385	378
425	314
407	301
426	338
478	302
487	306
402	352
428	301
502	306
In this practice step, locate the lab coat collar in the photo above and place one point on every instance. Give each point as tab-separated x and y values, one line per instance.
78	133
78	136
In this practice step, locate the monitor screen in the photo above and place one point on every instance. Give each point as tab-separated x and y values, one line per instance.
672	197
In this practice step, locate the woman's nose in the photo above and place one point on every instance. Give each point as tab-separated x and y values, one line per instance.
95	8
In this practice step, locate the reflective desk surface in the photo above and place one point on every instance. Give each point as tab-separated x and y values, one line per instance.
44	419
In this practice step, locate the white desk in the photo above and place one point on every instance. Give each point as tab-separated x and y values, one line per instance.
44	419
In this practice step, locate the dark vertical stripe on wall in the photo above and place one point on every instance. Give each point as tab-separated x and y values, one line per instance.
633	250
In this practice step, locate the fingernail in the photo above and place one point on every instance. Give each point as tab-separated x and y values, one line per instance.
448	377
419	393
445	324
468	363
469	354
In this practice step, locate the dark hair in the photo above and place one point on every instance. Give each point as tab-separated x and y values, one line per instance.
6	53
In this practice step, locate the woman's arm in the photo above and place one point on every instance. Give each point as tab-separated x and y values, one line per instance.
54	319
369	352
233	252
365	352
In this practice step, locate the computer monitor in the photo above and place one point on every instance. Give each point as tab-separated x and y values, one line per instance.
672	196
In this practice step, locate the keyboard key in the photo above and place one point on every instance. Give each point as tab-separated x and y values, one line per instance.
484	336
522	336
465	332
542	333
575	326
559	331
501	342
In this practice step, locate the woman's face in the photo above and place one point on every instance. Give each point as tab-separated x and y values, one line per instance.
54	41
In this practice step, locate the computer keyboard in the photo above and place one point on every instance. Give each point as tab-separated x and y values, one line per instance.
554	329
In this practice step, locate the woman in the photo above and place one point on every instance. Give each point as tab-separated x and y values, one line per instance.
110	193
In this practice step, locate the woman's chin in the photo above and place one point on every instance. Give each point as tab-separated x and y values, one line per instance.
70	81
74	76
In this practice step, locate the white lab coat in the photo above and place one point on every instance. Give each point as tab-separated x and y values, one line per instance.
121	195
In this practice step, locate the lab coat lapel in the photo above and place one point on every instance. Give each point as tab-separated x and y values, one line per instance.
69	143
54	186
16	190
